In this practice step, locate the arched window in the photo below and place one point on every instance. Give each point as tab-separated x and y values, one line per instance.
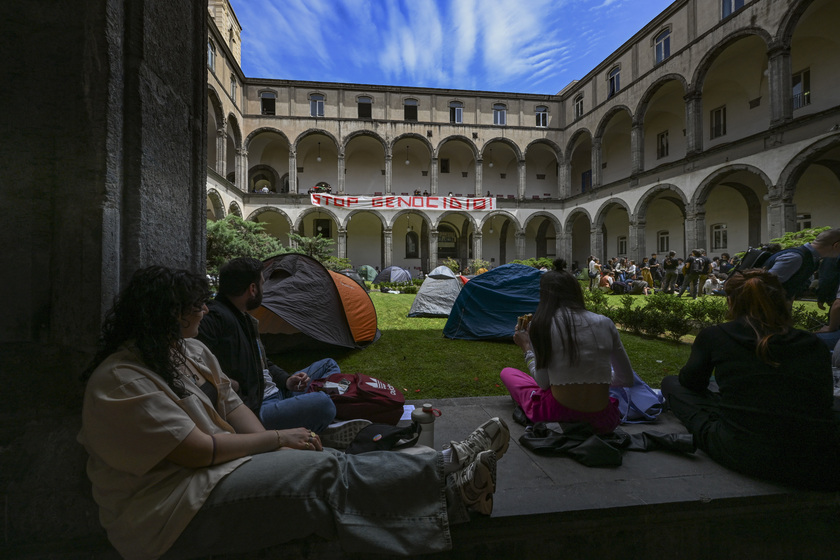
211	56
268	102
412	245
615	81
233	88
456	112
500	114
365	105
579	106
662	45
542	116
410	110
316	105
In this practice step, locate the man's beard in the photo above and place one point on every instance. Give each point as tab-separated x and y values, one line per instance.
254	302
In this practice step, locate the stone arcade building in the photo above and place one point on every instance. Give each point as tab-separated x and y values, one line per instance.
716	126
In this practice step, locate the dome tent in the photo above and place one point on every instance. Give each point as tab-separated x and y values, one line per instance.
489	304
306	305
437	294
367	272
393	274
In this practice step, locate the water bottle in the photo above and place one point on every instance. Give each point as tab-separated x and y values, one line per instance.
425	418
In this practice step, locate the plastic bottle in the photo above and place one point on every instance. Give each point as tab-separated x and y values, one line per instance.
425	418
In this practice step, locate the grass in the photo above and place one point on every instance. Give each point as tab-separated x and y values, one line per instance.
413	355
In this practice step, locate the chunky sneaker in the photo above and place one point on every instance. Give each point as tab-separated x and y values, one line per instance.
477	482
492	435
341	434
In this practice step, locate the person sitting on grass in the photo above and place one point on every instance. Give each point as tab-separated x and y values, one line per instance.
573	356
769	413
181	468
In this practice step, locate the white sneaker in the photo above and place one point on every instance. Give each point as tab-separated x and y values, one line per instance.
340	435
493	435
477	482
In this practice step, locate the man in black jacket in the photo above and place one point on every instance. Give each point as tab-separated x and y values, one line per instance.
277	398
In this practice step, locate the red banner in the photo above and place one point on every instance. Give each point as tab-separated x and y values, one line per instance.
396	202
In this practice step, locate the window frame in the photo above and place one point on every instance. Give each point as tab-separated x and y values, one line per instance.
211	55
729	7
456	112
718	236
662	46
621	245
663	248
415	254
578	106
614	81
662	149
233	88
586	181
499	114
264	97
410	105
541	112
803	221
804	80
716	132
360	102
316	106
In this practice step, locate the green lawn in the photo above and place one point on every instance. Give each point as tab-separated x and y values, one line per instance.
414	356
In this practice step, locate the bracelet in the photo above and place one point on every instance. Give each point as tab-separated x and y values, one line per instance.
213	454
279	443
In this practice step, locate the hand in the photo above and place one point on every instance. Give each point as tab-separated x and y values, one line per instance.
299	438
297	382
522	339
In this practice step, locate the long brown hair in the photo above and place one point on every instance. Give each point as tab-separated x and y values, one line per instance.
757	298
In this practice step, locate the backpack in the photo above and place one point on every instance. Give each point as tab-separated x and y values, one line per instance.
753	258
356	395
698	265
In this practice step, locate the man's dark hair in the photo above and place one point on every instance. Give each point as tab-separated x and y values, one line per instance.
237	274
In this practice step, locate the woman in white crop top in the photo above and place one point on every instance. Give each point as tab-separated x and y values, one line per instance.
573	355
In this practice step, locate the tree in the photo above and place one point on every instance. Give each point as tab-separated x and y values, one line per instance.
319	248
234	237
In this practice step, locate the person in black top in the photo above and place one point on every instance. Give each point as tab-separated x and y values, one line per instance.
772	417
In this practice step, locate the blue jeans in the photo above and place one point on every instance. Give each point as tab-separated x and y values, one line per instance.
829	338
380	502
314	411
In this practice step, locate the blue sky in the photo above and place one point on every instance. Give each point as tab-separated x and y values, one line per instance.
523	46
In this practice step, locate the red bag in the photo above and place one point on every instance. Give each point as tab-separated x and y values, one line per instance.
357	395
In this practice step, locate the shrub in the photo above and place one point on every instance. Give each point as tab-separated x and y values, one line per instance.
409	289
808	320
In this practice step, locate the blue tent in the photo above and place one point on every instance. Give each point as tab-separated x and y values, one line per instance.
489	304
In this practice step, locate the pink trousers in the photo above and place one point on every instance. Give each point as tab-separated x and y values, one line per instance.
540	405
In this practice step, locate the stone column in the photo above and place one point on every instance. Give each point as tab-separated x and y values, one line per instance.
596	163
434	180
341	173
781	217
563	247
695	231
519	236
293	182
693	123
433	249
342	242
564	179
221	151
476	248
520	191
242	169
636	240
389	170
388	243
596	243
780	85
479	176
637	148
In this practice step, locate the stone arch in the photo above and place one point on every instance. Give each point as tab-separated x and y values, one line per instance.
573	139
276	185
507	142
457	138
709	58
573	216
558	227
366	211
314	210
787	26
613	111
265	209
555	147
369	133
319	132
642	206
215	103
413	136
217	202
644	102
263	130
235	209
410	212
496	214
605	207
233	123
717	177
466	215
786	186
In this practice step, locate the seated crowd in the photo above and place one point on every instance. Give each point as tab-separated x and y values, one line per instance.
199	444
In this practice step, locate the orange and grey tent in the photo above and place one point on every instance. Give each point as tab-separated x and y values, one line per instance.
306	305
